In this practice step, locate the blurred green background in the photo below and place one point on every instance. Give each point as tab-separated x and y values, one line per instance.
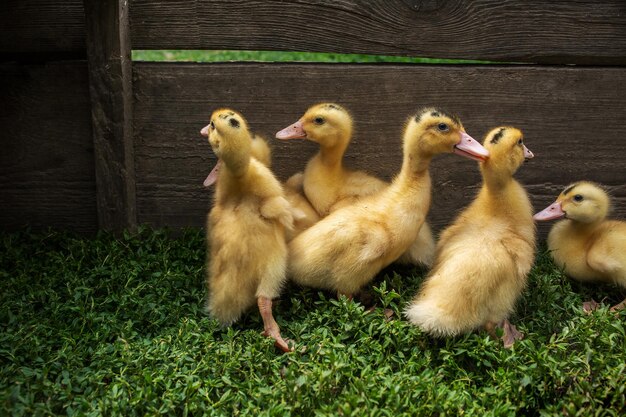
278	56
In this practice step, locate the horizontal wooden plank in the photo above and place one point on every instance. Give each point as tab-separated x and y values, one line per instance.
577	32
46	164
570	116
42	26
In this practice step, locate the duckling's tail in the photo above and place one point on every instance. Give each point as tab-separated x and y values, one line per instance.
432	319
225	313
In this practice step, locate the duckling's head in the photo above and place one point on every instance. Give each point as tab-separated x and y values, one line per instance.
432	131
229	138
584	202
507	151
328	124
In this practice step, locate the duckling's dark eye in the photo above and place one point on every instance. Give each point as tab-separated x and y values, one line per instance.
212	125
443	127
578	198
519	142
318	120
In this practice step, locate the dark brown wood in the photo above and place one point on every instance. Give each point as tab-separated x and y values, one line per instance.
46	164
570	116
577	32
110	86
42	26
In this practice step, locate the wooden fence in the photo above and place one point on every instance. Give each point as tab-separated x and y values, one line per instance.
93	140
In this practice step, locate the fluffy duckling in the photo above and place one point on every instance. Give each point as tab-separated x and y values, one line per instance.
585	244
346	249
304	215
483	258
328	185
246	228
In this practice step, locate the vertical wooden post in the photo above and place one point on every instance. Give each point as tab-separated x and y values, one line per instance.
110	87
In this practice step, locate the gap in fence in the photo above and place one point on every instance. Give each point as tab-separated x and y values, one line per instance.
173	55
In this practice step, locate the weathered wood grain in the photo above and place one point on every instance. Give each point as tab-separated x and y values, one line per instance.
580	31
46	164
110	86
571	118
42	26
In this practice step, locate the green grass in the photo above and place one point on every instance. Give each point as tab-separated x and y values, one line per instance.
278	56
115	326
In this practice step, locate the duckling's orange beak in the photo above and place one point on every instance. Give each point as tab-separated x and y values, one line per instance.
527	153
470	148
212	177
205	131
553	211
295	131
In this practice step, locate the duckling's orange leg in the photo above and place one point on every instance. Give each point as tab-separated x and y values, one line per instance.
270	326
511	334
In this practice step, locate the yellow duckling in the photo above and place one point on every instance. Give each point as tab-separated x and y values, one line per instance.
585	244
304	215
328	185
483	258
245	228
346	249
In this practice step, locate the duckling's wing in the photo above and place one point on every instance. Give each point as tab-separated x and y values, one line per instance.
606	253
278	208
601	260
374	244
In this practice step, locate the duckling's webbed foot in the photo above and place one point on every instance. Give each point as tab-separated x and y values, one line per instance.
270	327
590	306
511	334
